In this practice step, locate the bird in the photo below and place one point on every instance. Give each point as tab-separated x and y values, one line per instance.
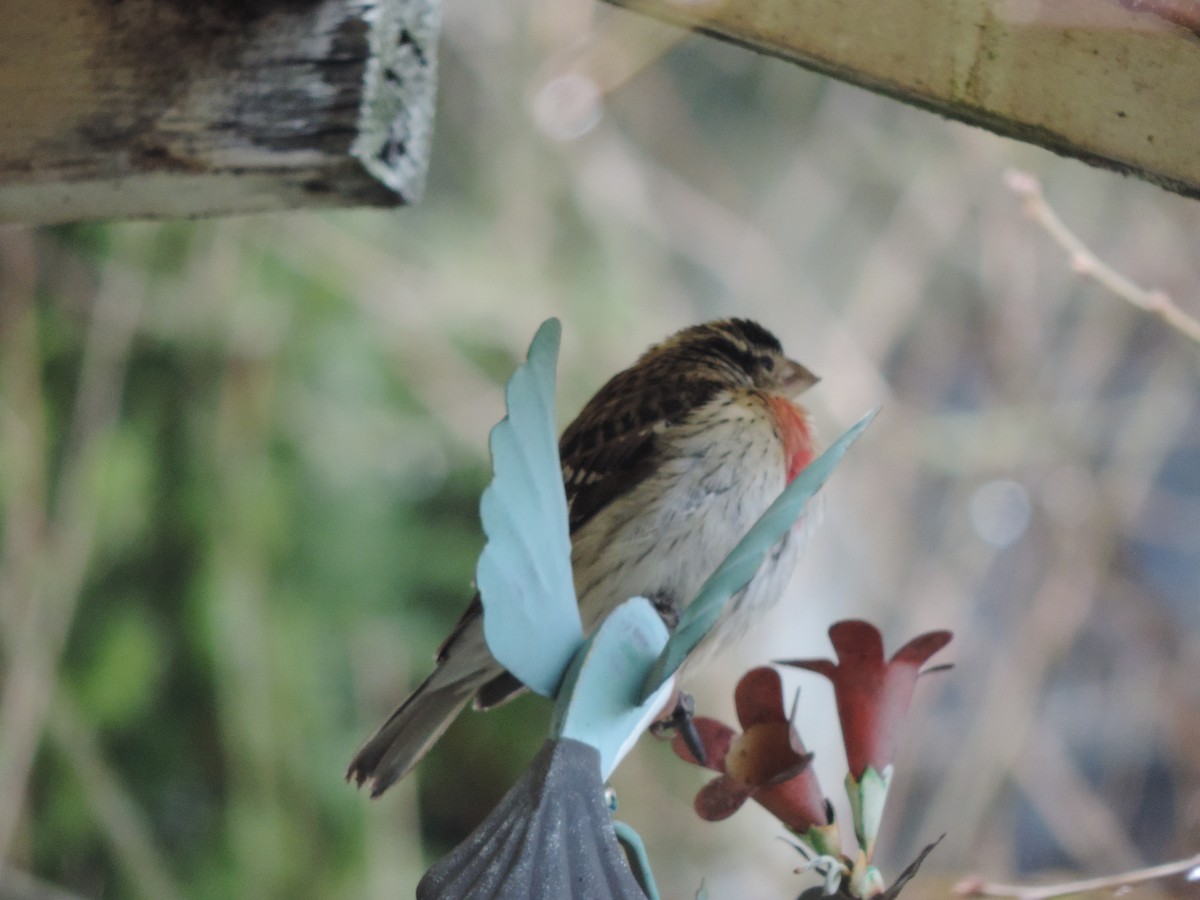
666	468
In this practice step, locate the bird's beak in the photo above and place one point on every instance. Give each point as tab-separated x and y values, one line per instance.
797	379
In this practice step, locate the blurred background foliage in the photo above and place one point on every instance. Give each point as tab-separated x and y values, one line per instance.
240	462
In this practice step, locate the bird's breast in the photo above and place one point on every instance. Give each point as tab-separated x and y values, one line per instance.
717	474
794	431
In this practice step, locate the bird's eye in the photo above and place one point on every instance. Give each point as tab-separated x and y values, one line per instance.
766	362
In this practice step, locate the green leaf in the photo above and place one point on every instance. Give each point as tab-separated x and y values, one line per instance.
868	797
124	674
120	479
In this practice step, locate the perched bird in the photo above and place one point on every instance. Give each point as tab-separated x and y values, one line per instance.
666	468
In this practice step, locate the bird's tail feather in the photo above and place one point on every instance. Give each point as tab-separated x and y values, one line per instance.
392	751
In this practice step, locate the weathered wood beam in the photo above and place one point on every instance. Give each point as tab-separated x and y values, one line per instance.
1115	83
156	108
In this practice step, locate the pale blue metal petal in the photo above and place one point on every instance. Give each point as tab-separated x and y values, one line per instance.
599	702
530	615
743	561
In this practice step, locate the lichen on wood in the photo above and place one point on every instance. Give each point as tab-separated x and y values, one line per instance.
141	108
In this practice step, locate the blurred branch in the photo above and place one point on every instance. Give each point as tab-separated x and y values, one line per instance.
18	885
121	820
240	611
23	446
977	888
40	596
1085	262
990	750
22	415
1081	821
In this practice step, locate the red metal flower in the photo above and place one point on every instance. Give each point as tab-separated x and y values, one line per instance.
766	761
873	694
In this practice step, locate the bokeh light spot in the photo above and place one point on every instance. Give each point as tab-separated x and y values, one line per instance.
1000	511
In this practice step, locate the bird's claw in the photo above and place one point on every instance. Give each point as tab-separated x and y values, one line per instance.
682	720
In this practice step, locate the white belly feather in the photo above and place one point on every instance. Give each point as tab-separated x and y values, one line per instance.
670	533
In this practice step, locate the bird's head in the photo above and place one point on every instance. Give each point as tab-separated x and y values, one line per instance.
743	353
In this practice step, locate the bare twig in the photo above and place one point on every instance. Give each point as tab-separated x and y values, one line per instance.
974	887
1085	262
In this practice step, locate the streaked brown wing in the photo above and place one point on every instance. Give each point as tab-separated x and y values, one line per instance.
616	441
597	478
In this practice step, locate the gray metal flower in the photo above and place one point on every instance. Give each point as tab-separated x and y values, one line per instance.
551	836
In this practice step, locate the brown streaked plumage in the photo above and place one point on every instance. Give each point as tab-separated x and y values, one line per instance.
612	444
665	469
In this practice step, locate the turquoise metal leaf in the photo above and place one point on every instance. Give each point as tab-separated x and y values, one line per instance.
743	561
599	702
530	614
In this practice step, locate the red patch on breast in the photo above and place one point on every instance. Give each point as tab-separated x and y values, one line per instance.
798	450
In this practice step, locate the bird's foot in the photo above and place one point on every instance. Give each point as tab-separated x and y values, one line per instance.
682	720
667	607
